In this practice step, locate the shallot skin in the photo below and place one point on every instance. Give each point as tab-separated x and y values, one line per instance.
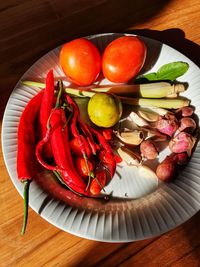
185	112
180	158
167	124
166	169
182	142
187	124
148	149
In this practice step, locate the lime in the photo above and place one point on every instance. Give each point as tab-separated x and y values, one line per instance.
104	109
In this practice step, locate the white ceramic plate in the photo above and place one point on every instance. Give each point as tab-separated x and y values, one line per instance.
140	208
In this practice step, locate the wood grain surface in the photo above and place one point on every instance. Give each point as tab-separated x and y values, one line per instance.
29	29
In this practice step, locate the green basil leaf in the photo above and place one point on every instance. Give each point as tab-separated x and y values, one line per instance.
172	71
147	77
150	76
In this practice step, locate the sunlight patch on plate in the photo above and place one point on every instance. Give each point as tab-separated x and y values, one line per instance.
132	183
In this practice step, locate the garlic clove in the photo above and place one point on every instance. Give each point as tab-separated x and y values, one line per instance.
154	135
149	116
134	137
139	121
129	156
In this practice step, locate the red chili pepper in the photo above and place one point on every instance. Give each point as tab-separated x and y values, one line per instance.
74	146
82	168
58	135
102	140
98	182
106	155
47	104
108	134
26	147
87	133
60	148
39	150
76	133
27	138
74	129
118	159
62	154
82	125
108	161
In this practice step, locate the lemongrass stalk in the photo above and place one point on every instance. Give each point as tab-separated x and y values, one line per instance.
70	91
149	90
172	96
156	110
160	90
79	93
161	103
34	84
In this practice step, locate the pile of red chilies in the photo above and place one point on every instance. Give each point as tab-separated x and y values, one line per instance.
51	130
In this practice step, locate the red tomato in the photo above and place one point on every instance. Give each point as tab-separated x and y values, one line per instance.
80	61
82	167
123	58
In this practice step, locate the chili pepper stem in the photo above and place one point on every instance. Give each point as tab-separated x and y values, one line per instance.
60	86
100	184
68	119
26	200
58	176
88	169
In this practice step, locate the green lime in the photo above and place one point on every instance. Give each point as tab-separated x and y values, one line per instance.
104	109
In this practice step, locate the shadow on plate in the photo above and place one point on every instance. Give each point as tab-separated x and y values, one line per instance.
54	190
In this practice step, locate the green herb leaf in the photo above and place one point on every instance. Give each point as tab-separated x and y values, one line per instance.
172	71
150	76
146	78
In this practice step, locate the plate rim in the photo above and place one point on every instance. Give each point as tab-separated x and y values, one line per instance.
4	153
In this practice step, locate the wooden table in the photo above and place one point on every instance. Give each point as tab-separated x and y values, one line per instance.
28	30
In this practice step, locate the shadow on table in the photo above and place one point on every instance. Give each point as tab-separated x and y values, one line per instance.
108	16
67	20
175	38
171	249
